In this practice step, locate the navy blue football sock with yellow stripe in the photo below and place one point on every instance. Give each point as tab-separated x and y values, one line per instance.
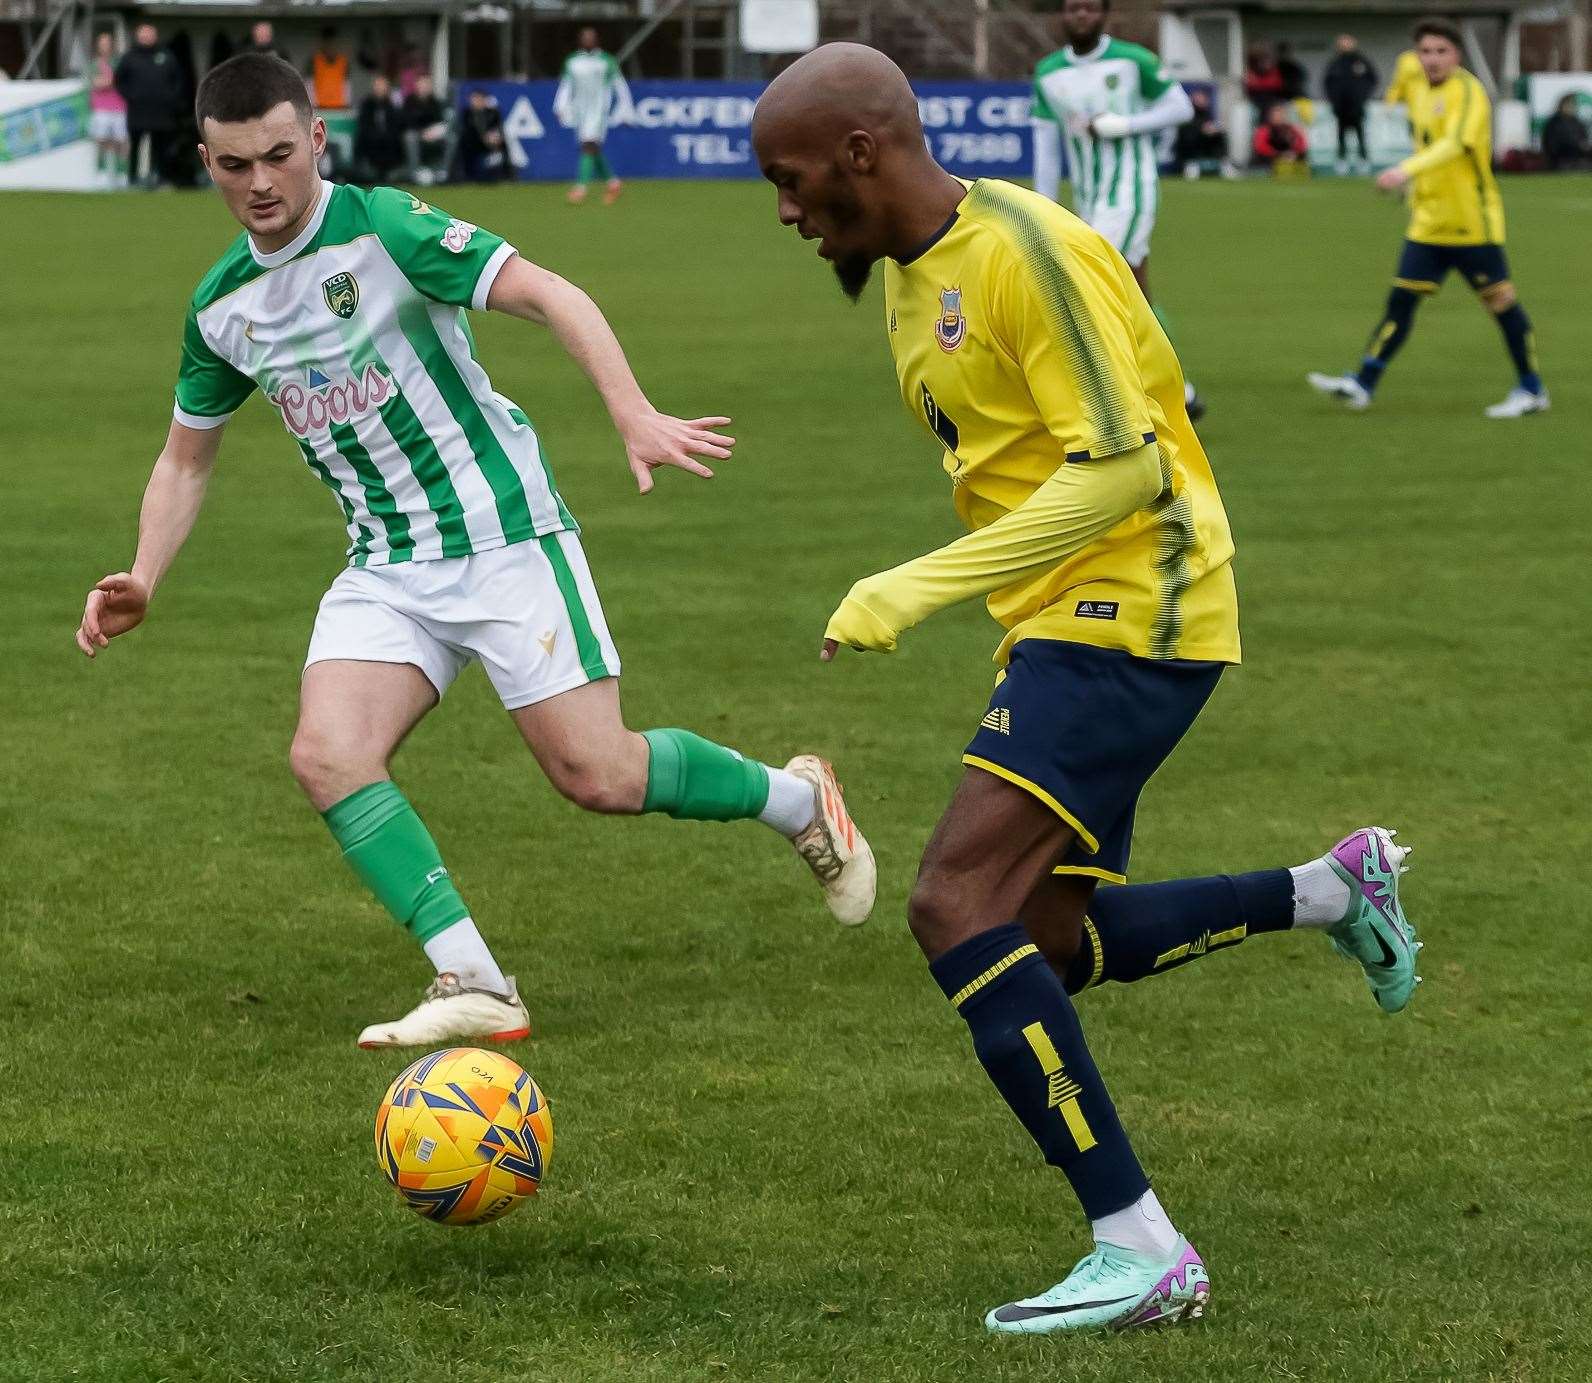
1027	1036
1391	333
1516	327
1146	929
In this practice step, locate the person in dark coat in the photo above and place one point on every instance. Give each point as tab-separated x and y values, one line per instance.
481	149
1348	84
1292	72
426	121
148	79
1564	137
378	136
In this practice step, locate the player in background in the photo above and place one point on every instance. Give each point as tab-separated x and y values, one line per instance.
1408	76
1456	222
345	308
1023	345
1108	100
591	92
107	115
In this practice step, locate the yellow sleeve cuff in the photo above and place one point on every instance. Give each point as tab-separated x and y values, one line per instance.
856	626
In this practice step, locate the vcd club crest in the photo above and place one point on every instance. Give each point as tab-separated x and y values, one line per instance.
341	292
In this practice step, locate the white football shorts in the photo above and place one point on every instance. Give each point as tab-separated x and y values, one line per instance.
109	126
528	612
1127	224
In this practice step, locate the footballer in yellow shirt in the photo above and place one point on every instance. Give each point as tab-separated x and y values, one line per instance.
1027	352
1456	222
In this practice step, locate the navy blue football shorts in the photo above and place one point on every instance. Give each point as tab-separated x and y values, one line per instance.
1423	267
1084	729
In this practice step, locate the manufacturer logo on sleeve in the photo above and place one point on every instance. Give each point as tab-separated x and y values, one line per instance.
341	292
1096	609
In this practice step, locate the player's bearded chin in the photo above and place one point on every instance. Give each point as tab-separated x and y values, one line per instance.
853	271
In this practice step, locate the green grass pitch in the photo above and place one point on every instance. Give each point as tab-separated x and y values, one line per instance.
776	1156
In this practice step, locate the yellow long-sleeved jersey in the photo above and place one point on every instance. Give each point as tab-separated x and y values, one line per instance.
1453	195
1023	343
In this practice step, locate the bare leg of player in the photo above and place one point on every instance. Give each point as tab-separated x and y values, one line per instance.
584	747
353	715
996	844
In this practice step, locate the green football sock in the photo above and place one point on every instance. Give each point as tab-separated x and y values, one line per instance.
600	166
391	850
587	170
693	779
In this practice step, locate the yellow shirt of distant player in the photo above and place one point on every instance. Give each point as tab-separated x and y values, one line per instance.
1453	196
1023	343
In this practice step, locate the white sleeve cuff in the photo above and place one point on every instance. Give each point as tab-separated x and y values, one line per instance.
489	273
198	421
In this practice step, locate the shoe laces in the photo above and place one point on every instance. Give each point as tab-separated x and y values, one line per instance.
1100	1266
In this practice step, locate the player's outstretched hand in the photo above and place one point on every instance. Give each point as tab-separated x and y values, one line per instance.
1391	179
656	439
115	605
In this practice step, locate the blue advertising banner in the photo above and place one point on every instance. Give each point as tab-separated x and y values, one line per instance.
703	129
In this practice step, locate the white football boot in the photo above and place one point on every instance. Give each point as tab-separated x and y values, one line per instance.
449	1011
833	847
1519	403
1345	387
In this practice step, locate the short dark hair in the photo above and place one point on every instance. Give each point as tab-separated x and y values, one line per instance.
1439	28
245	87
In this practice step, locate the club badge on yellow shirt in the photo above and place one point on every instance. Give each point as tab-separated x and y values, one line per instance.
950	328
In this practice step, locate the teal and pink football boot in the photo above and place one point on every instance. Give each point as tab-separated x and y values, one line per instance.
1375	932
1113	1289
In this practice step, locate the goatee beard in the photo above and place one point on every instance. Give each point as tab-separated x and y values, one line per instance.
853	273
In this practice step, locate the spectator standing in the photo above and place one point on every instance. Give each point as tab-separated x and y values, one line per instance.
1294	80
148	80
1278	140
107	115
412	70
378	133
1201	142
329	74
262	39
425	123
1263	83
481	139
1348	84
1564	137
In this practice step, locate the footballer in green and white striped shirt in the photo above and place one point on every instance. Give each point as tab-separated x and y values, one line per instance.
345	309
1107	101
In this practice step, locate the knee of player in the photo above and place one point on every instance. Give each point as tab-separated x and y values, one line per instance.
593	784
938	912
321	768
1500	298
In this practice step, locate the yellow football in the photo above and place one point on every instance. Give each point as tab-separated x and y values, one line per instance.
464	1136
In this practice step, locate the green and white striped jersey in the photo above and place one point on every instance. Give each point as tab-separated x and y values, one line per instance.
355	332
591	92
1117	78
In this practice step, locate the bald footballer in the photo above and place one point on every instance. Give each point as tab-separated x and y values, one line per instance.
1026	350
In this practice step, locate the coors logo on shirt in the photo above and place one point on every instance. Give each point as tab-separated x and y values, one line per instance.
324	401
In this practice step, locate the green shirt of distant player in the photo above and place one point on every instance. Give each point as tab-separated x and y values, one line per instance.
1071	89
590	91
